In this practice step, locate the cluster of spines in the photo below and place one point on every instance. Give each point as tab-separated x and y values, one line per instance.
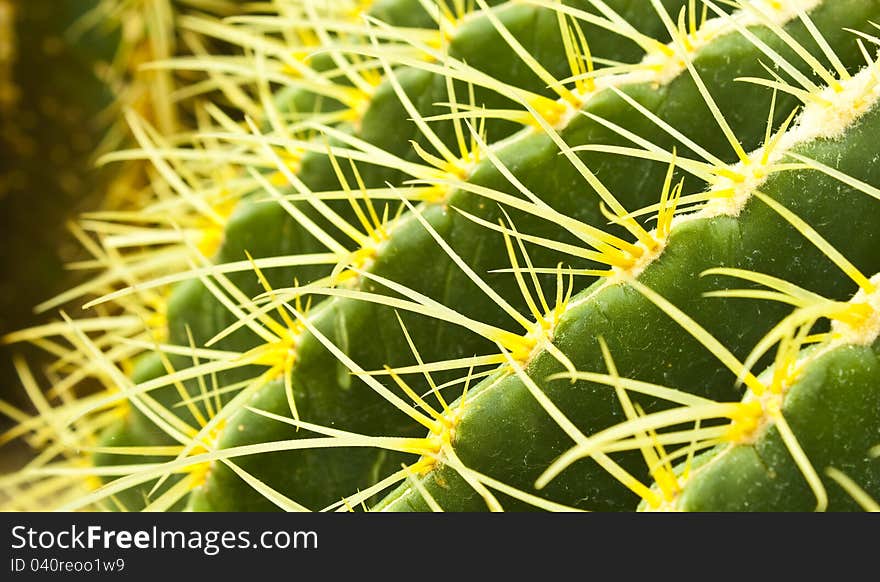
516	352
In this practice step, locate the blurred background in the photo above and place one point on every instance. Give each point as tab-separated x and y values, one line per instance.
53	100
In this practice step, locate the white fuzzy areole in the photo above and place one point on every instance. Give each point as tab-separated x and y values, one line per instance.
838	110
755	13
642	263
869	331
661	68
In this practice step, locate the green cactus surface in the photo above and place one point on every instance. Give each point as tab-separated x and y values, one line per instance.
470	255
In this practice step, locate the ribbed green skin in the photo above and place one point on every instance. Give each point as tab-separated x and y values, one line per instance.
504	433
266	230
535	161
322	382
478	44
649	346
832	411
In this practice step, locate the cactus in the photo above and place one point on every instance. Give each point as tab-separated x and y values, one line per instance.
441	224
815	408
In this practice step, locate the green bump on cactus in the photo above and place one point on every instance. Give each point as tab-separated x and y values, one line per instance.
831	413
808	420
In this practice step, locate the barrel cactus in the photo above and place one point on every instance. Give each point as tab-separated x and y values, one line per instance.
471	255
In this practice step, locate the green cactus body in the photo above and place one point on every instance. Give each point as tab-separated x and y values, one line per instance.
751	237
267	230
251	242
258	401
833	414
454	227
249	229
810	418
